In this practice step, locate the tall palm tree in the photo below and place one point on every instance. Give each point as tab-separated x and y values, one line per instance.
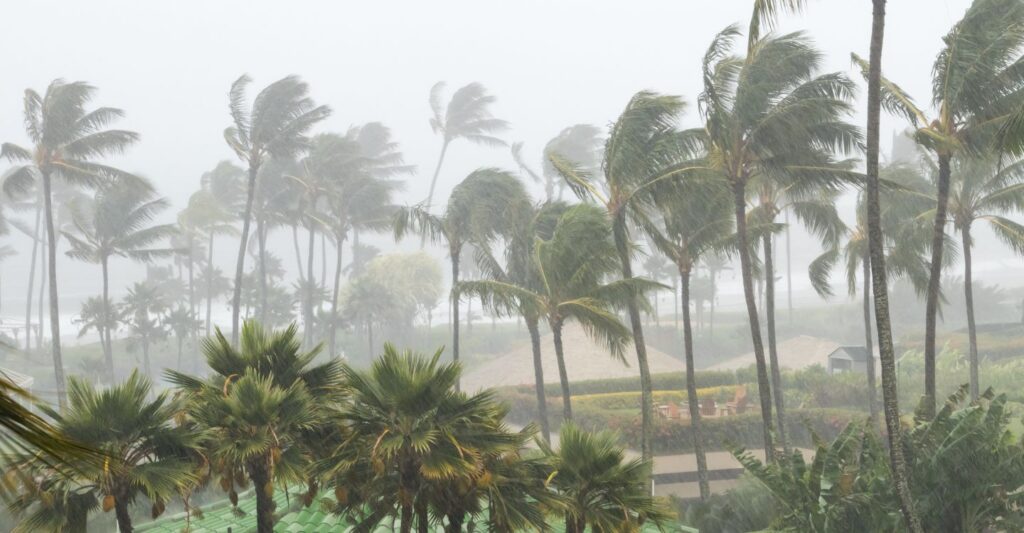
643	150
527	226
66	140
603	490
145	452
571	268
984	190
212	208
182	322
275	126
263	407
118	223
467	116
579	143
474	215
769	115
143	308
409	430
699	225
976	92
880	288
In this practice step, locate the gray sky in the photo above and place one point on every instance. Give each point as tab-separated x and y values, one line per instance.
551	64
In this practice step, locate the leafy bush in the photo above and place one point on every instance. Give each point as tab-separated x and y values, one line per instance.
631	400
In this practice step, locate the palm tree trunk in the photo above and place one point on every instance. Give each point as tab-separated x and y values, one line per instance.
538	375
433	185
105	340
868	345
455	253
209	286
121	512
236	297
261	252
32	277
323	267
51	258
711	311
333	327
260	474
307	301
934	282
422	517
763	384
191	285
773	354
563	374
886	353
298	253
369	335
789	272
178	365
646	397
145	355
40	304
972	331
691	390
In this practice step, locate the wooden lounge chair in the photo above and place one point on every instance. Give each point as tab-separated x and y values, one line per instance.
739	402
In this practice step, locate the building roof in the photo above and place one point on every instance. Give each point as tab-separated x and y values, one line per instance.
857	353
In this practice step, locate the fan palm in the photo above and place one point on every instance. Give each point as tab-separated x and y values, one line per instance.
880	289
601	488
118	223
977	89
771	119
642	152
406	431
474	215
66	141
571	267
275	126
262	406
145	452
695	228
467	116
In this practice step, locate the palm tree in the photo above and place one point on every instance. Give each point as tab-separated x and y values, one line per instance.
66	140
182	322
880	288
263	406
976	91
145	452
275	126
526	228
467	116
570	268
643	151
602	489
212	209
770	115
984	190
216	284
118	223
409	429
142	309
579	143
97	316
696	227
474	215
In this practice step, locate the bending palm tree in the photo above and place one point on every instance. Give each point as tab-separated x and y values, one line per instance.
643	151
977	92
274	127
66	139
117	224
467	116
474	215
570	268
770	115
580	143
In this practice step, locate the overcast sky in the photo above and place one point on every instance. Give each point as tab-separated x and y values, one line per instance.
551	63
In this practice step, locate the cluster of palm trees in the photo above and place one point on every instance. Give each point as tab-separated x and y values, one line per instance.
396	441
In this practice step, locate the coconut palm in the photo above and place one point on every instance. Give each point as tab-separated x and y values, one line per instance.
409	430
474	215
642	152
580	143
182	323
216	284
118	223
96	315
142	309
275	126
66	141
527	227
571	268
694	228
976	91
880	289
212	209
770	117
262	407
467	116
602	489
145	452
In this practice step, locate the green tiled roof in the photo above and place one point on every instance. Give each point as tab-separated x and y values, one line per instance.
220	516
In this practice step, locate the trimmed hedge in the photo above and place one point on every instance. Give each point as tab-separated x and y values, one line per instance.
670	381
